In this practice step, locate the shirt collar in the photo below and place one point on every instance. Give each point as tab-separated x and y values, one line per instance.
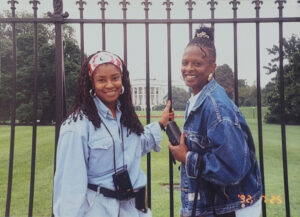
191	102
193	97
103	109
199	97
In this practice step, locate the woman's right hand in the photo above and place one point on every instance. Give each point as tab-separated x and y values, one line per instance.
166	115
180	151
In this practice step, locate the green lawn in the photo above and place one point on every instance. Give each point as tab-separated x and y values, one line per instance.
159	172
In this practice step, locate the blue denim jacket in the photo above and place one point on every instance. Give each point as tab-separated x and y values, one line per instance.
221	148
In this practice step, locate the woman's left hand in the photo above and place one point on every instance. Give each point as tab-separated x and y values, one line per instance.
180	151
166	115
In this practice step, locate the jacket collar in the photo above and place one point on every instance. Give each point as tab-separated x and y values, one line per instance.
103	109
204	92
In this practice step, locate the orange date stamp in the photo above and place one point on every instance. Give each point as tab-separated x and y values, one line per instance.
273	199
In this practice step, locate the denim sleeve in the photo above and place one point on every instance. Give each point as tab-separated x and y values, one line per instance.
192	163
70	180
229	159
151	138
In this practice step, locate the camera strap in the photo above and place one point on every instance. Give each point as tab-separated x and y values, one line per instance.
114	145
196	193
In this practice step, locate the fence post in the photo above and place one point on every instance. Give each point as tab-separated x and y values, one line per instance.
13	109
168	4
147	4
282	109
35	105
58	19
259	115
235	4
60	110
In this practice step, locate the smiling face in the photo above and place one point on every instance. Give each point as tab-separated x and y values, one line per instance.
107	82
195	67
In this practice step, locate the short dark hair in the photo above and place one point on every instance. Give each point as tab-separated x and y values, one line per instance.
204	38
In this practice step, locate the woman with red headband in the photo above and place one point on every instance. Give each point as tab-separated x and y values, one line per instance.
98	169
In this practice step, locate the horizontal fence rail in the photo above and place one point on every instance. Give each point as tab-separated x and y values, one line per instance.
151	21
59	17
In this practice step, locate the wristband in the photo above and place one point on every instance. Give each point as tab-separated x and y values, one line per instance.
162	127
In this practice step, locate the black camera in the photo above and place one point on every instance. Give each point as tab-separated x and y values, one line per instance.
123	185
141	202
173	133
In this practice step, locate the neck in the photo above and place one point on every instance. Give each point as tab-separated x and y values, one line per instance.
112	108
196	90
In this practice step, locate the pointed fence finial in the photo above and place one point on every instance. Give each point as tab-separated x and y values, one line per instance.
168	4
102	3
235	4
81	3
212	4
190	4
124	4
12	4
280	3
34	4
146	4
257	4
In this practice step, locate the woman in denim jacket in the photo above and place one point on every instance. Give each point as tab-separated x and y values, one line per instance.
216	143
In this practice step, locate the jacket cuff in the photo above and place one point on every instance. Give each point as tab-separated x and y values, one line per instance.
192	164
156	134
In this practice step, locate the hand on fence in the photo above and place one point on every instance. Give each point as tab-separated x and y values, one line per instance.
166	115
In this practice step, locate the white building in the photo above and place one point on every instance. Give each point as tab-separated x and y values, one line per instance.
158	90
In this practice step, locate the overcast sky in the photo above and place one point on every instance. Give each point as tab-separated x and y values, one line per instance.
179	33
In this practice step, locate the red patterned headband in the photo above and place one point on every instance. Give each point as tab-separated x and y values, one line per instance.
104	57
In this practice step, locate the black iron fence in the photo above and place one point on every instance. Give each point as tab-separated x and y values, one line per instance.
60	17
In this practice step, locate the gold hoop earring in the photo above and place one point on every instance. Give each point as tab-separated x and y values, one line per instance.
210	76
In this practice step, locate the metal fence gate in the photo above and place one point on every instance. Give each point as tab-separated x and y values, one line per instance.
59	17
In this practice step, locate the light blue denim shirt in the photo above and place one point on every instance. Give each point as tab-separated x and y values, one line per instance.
85	155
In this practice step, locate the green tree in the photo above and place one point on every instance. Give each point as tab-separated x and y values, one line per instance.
291	54
5	57
224	76
266	91
25	69
179	99
72	69
247	94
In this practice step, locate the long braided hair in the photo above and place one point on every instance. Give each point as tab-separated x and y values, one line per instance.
85	105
